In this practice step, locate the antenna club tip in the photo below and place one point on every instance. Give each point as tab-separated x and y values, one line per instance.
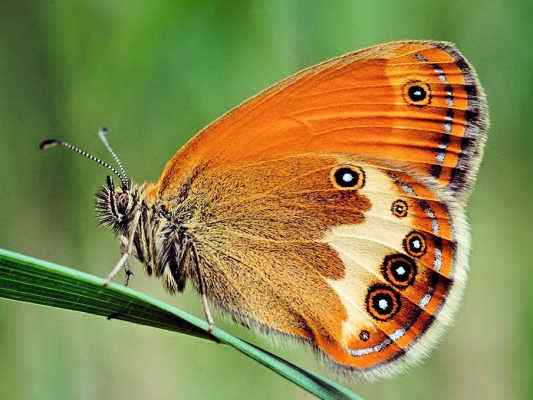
48	143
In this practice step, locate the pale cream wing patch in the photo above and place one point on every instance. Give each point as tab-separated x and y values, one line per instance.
407	226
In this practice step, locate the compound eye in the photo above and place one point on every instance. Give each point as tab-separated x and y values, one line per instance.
122	201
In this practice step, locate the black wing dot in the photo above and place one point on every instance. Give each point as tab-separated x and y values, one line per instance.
399	208
399	270
417	93
348	177
382	302
415	244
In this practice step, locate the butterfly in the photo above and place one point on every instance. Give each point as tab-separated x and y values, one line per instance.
328	209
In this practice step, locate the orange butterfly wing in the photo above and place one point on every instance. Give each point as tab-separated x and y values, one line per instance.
357	104
237	186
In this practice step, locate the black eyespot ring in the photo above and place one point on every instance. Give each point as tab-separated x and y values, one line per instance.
417	93
399	270
364	335
399	208
382	302
415	244
348	177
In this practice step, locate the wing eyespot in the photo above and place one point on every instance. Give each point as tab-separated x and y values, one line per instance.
399	208
348	177
382	302
399	270
417	93
364	335
415	244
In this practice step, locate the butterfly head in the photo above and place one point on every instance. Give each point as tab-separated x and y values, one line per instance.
115	206
130	209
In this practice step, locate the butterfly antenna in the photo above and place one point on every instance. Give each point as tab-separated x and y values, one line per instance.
49	143
102	134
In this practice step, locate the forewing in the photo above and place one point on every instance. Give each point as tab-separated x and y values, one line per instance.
415	102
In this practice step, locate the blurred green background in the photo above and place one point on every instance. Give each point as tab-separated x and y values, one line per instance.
155	72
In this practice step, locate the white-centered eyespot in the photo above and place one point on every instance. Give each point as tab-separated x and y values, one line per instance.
382	302
348	177
399	270
417	93
415	244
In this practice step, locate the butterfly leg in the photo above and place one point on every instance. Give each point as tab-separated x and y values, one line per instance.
116	269
201	285
128	274
122	263
207	312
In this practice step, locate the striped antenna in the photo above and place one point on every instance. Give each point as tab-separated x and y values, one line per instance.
102	134
49	143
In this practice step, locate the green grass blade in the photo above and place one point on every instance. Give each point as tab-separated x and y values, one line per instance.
28	279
